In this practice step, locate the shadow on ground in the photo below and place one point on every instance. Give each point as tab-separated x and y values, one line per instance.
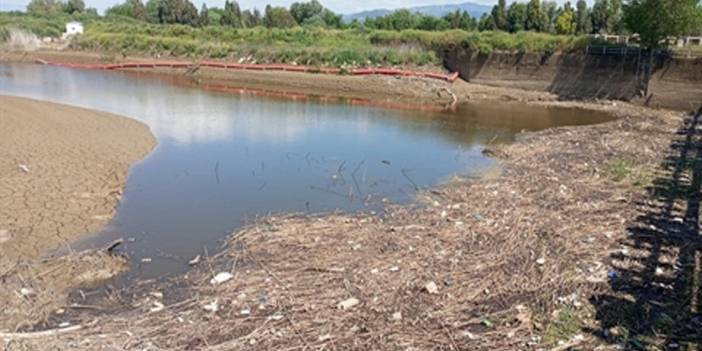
655	300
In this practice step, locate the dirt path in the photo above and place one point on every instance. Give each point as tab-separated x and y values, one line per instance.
62	170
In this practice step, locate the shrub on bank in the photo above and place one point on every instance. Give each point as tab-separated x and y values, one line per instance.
303	45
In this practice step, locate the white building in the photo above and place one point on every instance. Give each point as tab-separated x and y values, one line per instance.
73	28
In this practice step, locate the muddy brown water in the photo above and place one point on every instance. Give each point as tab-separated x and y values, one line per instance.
225	156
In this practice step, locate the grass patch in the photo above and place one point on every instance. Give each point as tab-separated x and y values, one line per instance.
564	328
624	170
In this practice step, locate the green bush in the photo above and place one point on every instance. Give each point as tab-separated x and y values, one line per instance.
304	45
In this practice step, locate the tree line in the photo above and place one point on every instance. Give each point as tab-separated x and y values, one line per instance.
654	20
184	12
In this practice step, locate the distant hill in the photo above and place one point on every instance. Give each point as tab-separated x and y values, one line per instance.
475	10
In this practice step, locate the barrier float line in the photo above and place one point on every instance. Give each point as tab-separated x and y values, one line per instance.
257	67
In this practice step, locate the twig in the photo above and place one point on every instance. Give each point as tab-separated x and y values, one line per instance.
216	171
404	173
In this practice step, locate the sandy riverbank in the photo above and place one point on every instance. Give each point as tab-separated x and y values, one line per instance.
62	169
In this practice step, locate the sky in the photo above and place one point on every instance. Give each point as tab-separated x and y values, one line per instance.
339	6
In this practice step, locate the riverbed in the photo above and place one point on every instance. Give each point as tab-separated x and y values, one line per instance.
225	157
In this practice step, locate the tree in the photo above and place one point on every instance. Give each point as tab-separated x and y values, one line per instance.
74	6
304	11
499	15
44	7
456	20
516	16
171	11
152	8
582	18
130	8
655	20
204	18
278	17
534	18
565	23
232	14
550	14
214	15
487	22
600	16
614	17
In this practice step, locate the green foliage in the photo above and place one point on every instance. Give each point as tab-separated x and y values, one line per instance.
278	17
655	20
565	23
312	13
130	8
484	42
499	15
45	7
582	18
231	16
534	17
564	328
74	6
517	16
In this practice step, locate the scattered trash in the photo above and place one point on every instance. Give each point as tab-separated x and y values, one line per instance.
394	269
4	236
470	335
27	292
157	307
487	323
397	316
349	303
541	261
146	260
194	261
221	278
245	312
431	288
325	337
212	306
24	168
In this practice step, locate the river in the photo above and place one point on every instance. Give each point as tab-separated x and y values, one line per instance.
224	158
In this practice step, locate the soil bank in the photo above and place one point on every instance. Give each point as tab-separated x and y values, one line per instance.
62	169
675	83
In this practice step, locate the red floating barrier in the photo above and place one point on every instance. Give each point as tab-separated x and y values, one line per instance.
259	67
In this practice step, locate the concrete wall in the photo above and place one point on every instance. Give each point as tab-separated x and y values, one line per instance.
675	83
